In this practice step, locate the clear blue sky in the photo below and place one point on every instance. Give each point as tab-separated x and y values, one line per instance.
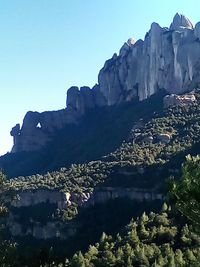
46	46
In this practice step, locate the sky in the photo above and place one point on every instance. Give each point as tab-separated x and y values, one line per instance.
47	46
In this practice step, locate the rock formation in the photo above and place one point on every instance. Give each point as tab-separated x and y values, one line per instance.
29	198
164	138
174	100
62	200
50	230
168	58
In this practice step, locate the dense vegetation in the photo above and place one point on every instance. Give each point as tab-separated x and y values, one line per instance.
186	191
7	246
117	152
136	163
156	239
151	240
161	239
99	132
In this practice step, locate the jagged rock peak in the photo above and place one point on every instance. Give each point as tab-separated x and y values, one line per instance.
126	46
166	59
180	21
131	41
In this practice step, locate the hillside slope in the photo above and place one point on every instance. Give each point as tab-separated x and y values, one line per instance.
75	204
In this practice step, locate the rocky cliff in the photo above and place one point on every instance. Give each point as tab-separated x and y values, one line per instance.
20	225
167	58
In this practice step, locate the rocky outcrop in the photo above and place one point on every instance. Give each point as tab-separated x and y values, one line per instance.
167	58
39	128
29	198
180	22
50	230
175	100
104	194
63	200
164	138
148	139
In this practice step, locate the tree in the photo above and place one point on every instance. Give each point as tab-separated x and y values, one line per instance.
186	191
7	248
78	260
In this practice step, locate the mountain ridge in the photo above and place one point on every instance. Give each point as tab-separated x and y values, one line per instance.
167	59
108	165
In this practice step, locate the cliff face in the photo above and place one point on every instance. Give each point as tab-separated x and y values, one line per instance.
63	200
168	58
63	230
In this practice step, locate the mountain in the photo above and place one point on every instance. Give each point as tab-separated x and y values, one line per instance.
91	167
167	59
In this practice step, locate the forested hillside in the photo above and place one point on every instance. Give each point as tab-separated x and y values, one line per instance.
140	156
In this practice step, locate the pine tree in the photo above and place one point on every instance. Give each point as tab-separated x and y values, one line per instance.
187	191
179	258
8	254
78	260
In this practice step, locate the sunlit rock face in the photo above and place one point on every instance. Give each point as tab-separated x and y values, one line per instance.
175	100
180	22
167	58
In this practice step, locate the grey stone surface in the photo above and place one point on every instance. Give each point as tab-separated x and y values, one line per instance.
29	198
148	139
164	138
63	230
39	128
174	100
167	59
49	230
180	21
102	195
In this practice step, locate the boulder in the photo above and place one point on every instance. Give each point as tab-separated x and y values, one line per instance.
148	139
174	100
126	47
164	138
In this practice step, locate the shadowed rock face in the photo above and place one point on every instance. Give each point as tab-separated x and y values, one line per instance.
38	128
168	58
63	200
